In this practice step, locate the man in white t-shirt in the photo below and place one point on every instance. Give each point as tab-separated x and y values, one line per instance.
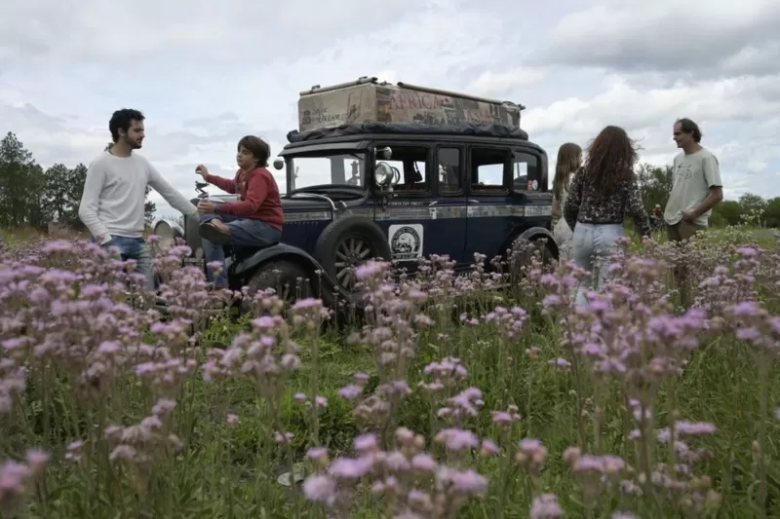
696	190
112	206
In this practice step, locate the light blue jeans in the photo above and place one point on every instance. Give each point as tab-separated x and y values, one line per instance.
244	232
135	249
593	242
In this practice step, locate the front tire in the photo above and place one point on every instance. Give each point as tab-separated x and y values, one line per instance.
289	279
347	243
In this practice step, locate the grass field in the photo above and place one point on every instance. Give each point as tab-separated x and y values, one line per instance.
447	400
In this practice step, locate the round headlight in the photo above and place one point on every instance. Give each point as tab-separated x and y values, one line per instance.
383	173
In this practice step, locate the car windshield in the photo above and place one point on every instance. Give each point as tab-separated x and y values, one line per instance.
337	169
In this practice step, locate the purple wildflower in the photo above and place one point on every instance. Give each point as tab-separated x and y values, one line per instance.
546	506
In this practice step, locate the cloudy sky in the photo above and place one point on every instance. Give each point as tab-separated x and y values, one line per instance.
206	73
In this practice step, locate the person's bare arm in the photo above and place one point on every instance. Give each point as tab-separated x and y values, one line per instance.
714	182
715	196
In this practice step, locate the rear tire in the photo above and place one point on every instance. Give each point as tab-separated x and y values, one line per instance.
522	252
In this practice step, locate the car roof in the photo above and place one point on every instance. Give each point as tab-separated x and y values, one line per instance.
359	136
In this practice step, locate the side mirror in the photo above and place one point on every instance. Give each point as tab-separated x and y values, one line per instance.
384	153
279	164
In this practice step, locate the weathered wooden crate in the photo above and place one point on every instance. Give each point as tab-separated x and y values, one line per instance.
368	101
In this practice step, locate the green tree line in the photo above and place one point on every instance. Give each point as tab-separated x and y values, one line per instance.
31	196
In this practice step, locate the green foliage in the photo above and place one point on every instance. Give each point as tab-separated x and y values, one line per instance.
655	184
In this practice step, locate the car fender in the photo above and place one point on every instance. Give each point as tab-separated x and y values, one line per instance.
177	229
535	233
177	232
247	267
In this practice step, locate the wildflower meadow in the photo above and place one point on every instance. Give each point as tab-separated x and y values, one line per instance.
472	396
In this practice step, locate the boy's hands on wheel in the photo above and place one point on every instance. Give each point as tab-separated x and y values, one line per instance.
206	207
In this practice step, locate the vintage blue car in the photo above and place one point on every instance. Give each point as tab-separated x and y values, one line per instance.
397	191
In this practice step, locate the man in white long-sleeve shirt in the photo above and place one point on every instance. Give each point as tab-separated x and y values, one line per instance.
112	206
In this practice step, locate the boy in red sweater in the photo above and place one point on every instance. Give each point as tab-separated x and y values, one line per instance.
255	219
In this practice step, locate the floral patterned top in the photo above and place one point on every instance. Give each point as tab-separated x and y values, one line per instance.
582	206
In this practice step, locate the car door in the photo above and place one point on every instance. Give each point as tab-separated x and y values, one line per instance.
449	208
530	186
405	214
489	206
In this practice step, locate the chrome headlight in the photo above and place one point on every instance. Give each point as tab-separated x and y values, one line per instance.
383	173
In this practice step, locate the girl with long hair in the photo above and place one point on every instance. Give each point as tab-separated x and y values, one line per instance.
603	192
569	161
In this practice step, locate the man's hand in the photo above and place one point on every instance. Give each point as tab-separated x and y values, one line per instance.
206	207
202	170
689	216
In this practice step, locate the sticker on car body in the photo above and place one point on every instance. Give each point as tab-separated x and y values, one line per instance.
406	241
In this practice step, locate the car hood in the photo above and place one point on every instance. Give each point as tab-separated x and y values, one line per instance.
304	204
289	205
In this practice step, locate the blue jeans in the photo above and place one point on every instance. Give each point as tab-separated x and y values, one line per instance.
244	232
135	249
589	242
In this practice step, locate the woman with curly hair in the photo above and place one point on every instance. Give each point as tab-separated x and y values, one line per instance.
602	193
569	161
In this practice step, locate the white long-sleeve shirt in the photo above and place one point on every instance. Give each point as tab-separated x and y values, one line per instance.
113	199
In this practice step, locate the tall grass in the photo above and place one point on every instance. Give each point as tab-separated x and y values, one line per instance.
448	398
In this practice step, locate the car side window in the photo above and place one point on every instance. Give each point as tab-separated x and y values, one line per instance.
527	172
411	163
356	173
488	168
449	171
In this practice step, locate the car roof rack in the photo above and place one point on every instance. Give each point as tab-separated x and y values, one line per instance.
367	100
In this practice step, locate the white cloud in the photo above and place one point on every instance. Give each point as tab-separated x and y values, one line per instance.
205	74
692	37
498	82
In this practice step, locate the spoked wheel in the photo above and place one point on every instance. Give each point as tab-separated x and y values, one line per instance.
344	245
350	254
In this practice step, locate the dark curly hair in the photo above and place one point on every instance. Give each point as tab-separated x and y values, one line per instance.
121	120
257	147
610	161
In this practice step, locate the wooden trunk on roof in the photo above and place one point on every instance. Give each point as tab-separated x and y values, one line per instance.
367	101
